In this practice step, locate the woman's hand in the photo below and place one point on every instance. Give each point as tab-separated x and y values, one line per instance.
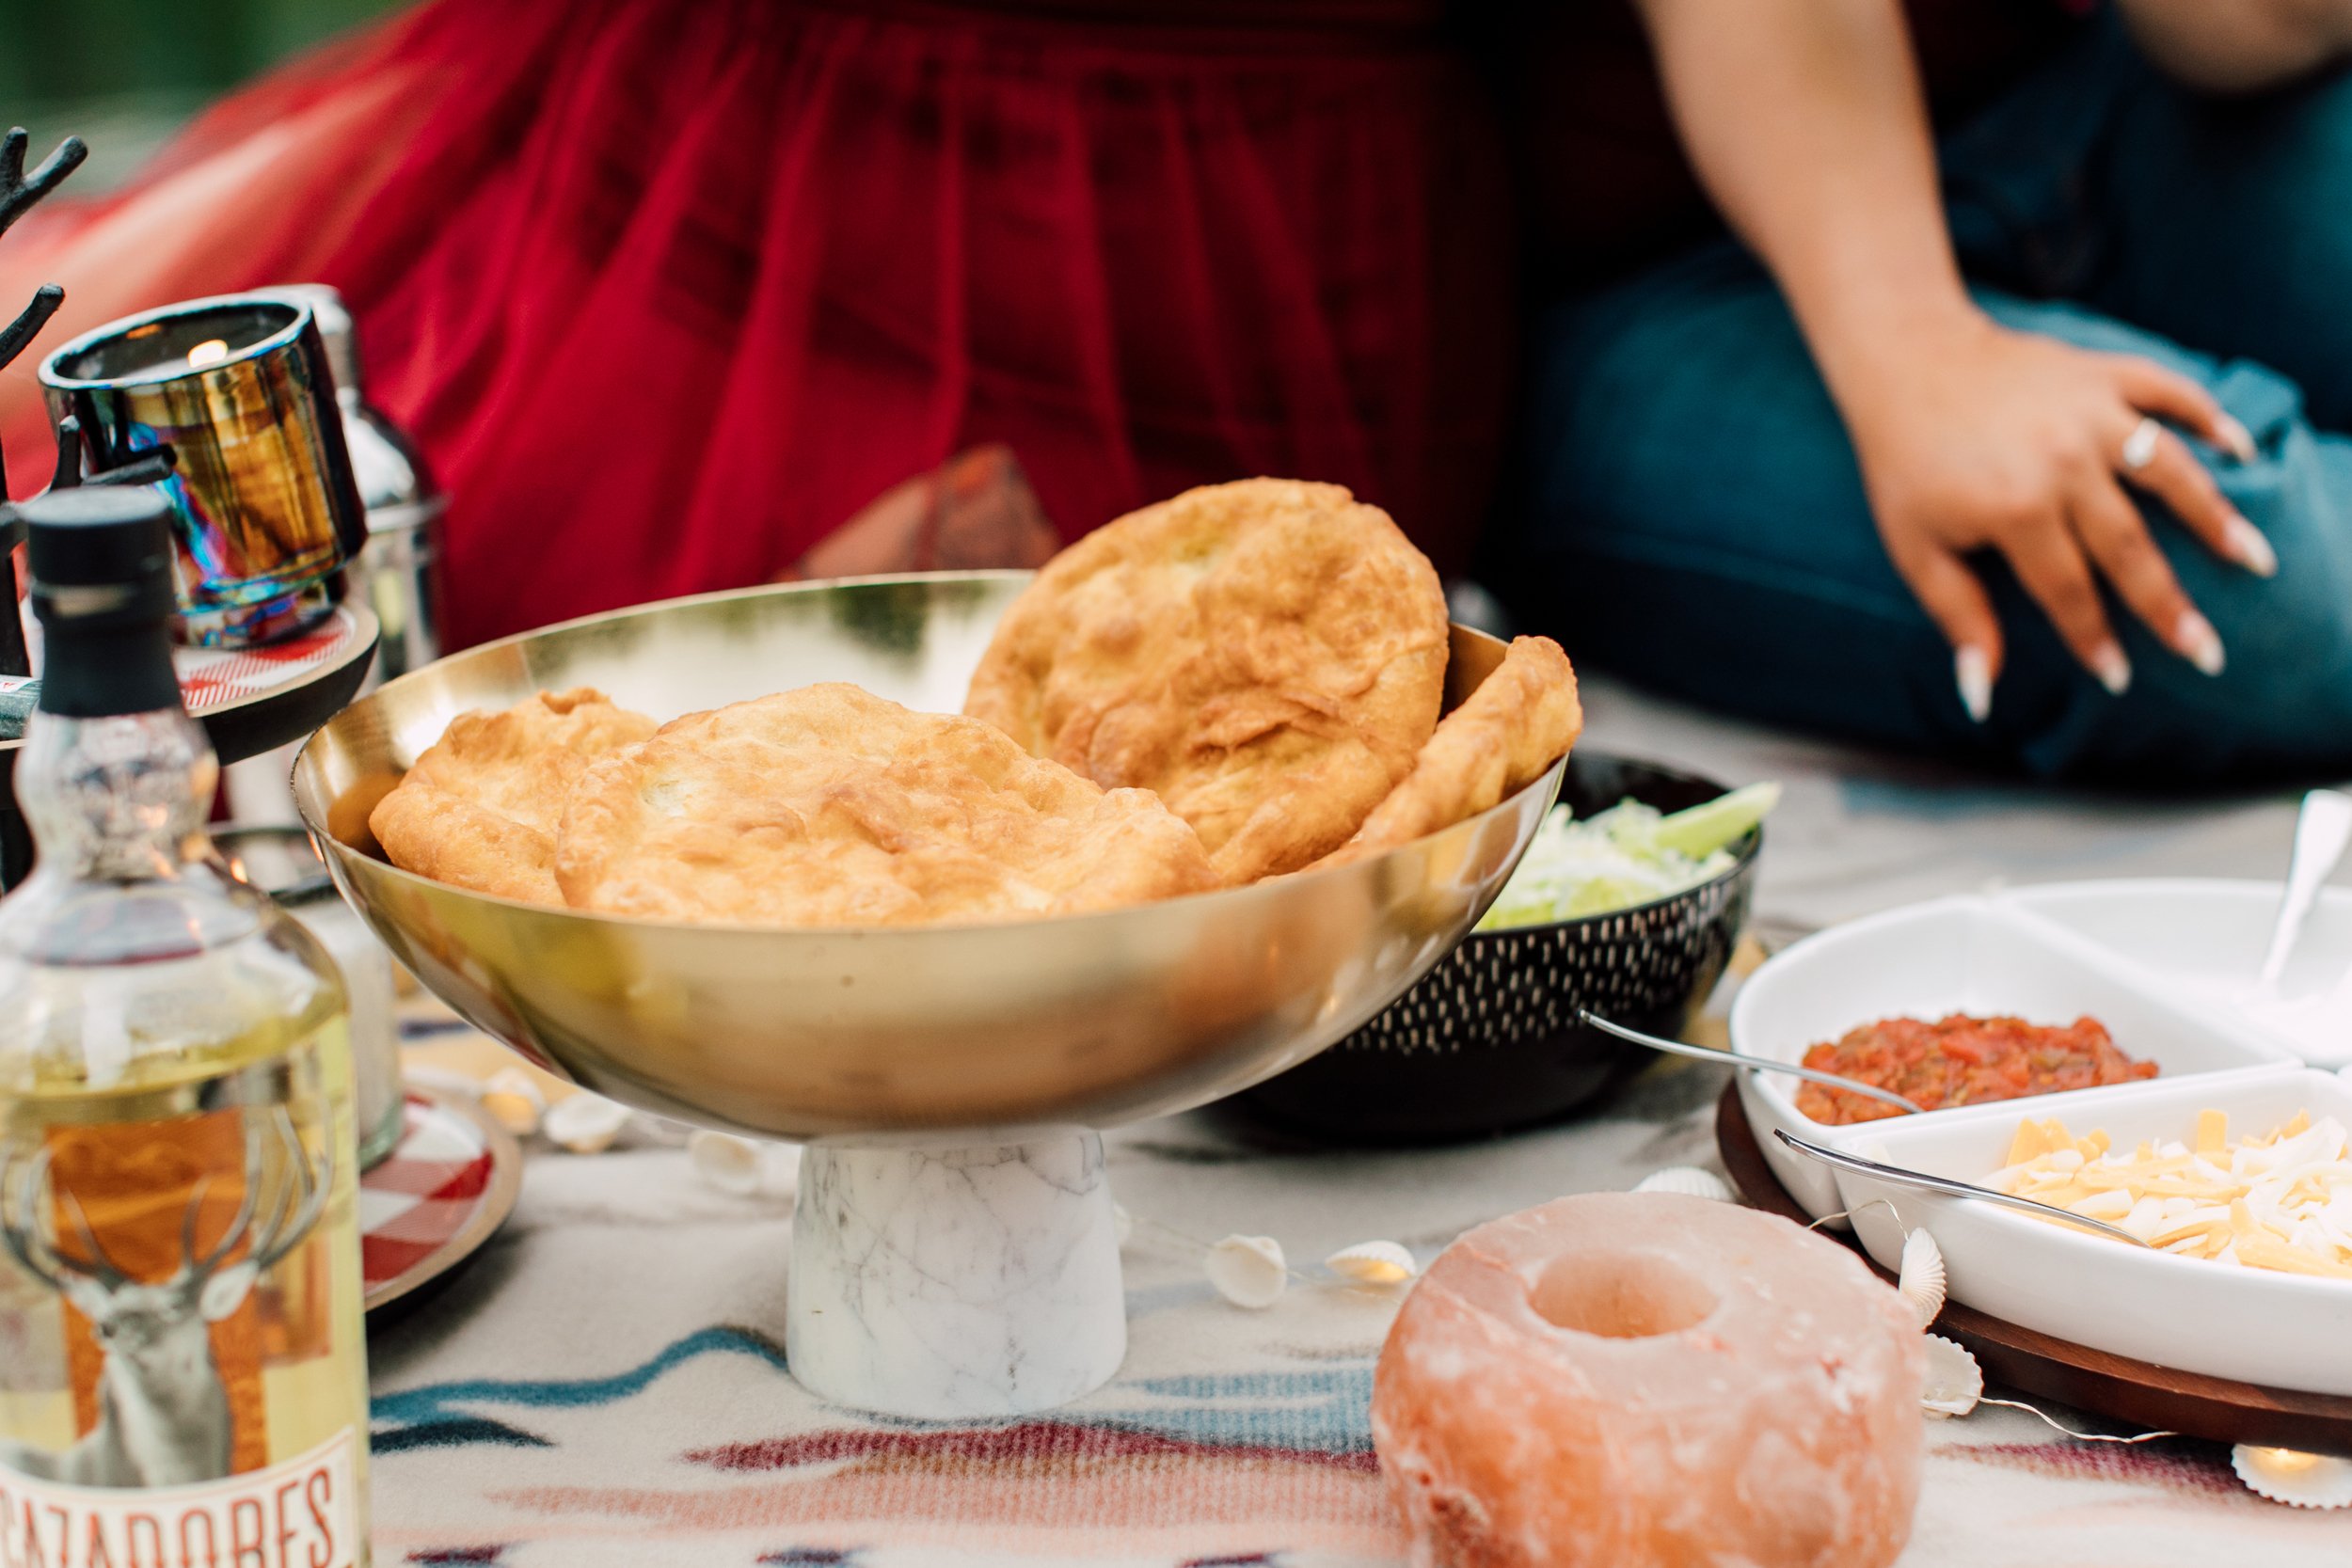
1978	438
1806	120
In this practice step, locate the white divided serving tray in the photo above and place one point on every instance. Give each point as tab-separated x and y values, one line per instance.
1981	956
2169	967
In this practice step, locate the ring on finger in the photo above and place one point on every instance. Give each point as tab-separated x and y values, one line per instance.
2140	447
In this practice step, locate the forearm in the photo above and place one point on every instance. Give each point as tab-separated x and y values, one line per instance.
1805	122
2240	45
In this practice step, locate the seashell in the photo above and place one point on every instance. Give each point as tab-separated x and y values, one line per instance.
1955	1382
1373	1263
1689	1180
513	1100
1248	1271
585	1123
2294	1478
1921	1280
1122	1223
723	1161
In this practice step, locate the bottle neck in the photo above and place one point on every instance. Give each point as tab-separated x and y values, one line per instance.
118	798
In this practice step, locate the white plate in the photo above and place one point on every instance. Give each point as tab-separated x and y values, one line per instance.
434	1201
1979	956
2282	1331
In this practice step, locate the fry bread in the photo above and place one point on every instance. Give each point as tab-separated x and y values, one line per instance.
1521	718
1267	657
480	808
830	806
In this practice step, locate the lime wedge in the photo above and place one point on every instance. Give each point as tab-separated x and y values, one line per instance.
1714	824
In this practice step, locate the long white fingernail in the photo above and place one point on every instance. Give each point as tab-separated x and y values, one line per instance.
2113	670
2248	546
2199	642
1972	668
2236	439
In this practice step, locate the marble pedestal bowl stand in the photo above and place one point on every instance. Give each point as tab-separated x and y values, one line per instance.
953	1248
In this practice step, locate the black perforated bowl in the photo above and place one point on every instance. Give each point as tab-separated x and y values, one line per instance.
1487	1040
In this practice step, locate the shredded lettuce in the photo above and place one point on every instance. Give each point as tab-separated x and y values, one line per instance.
1630	854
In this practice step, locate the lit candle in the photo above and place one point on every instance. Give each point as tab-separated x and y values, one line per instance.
203	357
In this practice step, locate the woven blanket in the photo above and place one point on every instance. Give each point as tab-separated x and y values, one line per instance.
606	1384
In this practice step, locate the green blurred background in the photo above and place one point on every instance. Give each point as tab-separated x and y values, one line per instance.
123	73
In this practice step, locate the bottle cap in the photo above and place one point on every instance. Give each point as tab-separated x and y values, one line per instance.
102	560
101	554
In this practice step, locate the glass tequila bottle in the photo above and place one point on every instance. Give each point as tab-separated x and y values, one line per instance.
182	1370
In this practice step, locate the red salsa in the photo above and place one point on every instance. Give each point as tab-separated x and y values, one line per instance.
1961	1060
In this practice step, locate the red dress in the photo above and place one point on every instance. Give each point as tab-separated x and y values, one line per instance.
667	291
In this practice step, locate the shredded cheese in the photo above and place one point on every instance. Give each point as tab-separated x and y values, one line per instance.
2279	1201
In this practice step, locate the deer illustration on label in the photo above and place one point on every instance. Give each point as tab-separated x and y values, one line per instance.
163	1412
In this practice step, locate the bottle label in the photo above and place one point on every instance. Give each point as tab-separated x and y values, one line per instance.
303	1514
179	1295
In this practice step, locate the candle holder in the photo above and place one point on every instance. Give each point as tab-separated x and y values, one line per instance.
237	728
266	508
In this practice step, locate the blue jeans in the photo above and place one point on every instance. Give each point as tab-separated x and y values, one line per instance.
1694	517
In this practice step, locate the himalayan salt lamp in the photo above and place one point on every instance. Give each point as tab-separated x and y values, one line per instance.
1622	1380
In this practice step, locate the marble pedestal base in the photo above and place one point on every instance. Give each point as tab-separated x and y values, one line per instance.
955	1282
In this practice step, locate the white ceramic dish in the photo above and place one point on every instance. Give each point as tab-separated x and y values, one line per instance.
1981	956
2203	941
2279	1330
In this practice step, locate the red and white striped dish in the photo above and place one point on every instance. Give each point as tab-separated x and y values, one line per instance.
213	678
443	1191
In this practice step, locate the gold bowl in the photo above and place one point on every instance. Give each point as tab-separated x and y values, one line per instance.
1087	1020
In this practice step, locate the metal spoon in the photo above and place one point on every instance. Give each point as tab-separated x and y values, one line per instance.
1944	1184
2321	832
1737	1058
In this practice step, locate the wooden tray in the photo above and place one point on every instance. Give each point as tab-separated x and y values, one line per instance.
2134	1393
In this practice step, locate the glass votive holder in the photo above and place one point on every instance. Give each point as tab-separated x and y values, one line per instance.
282	863
264	504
